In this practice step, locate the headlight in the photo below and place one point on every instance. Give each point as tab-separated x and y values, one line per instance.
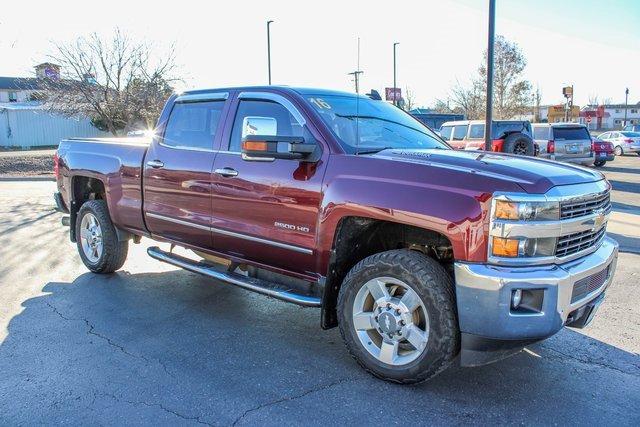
523	247
526	211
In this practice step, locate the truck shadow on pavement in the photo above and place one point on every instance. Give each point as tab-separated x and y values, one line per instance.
162	348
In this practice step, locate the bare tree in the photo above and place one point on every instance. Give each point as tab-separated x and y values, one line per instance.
409	100
512	94
470	100
537	100
593	100
114	82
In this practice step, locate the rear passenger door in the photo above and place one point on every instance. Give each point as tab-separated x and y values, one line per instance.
177	170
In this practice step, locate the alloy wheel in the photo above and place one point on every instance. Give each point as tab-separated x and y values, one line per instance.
91	237
391	321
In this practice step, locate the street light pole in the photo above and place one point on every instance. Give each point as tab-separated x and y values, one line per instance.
626	101
491	39
269	50
395	97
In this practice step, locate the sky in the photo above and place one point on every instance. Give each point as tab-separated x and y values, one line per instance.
592	44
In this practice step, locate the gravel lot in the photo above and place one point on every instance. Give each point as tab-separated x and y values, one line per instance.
152	345
26	163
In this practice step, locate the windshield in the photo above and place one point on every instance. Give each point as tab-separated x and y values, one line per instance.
363	125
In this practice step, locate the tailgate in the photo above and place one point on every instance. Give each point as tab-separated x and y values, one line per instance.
572	142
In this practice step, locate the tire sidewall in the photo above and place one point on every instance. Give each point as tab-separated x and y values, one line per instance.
421	367
98	209
514	138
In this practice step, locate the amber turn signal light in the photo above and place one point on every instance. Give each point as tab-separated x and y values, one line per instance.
505	247
254	146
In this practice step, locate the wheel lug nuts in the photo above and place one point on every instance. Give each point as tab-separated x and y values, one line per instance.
388	306
376	318
402	323
397	311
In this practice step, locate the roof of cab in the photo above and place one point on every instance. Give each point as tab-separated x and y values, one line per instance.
305	91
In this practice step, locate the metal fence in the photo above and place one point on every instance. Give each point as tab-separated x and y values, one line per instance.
28	126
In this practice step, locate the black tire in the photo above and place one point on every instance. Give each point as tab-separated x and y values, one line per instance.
114	252
618	151
518	143
599	163
435	288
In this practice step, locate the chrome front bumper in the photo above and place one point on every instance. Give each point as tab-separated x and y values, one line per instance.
484	295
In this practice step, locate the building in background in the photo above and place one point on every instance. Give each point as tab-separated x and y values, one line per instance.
432	118
609	116
24	123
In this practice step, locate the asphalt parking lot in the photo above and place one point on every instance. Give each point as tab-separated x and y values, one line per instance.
154	345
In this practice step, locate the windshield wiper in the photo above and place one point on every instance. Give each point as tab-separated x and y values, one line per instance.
372	150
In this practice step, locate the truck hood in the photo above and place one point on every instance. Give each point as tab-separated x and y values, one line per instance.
531	174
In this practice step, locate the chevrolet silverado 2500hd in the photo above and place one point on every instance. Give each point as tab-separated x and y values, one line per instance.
421	254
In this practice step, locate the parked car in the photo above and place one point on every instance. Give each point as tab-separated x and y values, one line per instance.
508	136
623	142
632	128
604	152
564	142
418	253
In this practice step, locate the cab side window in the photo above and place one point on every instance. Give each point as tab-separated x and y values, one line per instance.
476	131
459	132
286	124
193	125
445	132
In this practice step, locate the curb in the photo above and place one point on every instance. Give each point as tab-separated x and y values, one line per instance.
17	178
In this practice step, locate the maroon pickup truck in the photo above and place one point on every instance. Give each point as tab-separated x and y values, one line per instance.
422	255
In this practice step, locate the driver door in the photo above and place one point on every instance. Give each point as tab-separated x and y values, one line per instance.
266	211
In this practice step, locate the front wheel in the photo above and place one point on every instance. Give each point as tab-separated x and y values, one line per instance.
97	240
398	316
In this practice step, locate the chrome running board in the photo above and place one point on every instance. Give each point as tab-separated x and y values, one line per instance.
256	285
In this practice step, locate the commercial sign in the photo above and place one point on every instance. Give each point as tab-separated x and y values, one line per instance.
393	94
567	91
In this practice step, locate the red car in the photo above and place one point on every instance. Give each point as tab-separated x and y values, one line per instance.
603	152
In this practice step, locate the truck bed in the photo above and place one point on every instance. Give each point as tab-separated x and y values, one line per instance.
117	162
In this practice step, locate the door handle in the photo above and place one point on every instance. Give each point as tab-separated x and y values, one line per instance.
226	172
155	164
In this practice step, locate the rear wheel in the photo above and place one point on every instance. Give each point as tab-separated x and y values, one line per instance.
518	143
398	317
618	150
97	240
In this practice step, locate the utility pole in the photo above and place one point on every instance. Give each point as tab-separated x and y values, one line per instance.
489	119
395	95
626	101
356	78
269	50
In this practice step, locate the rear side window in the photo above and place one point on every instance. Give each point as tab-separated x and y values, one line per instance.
540	133
631	134
193	125
285	123
476	131
445	132
567	133
459	132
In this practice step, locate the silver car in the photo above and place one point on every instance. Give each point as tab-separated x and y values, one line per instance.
623	142
564	142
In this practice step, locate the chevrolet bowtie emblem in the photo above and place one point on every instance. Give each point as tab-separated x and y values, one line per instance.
599	219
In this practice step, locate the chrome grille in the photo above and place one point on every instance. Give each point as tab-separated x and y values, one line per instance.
576	242
584	206
584	287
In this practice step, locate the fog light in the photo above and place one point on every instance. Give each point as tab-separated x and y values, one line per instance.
516	298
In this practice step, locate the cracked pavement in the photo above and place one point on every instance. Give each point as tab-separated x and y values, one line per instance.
152	345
